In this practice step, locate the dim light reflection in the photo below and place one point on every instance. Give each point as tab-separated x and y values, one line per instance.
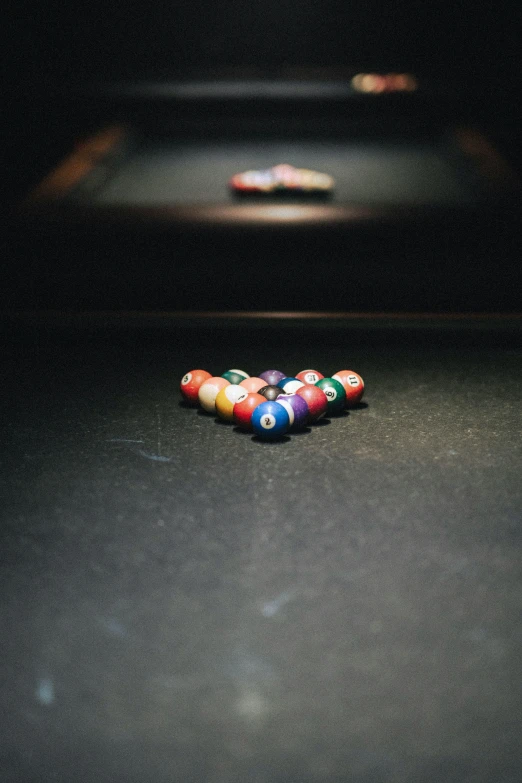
285	213
377	83
252	705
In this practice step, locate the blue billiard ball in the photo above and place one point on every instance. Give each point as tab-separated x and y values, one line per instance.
270	420
290	385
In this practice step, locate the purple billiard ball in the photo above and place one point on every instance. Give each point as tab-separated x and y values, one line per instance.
297	410
272	377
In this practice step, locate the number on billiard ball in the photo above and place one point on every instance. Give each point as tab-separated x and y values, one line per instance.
335	394
270	420
309	376
191	384
353	386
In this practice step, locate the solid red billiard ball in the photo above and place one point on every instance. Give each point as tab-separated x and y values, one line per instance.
243	410
353	386
309	376
191	382
316	400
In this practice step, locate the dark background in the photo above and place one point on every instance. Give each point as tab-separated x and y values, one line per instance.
83	40
46	47
465	55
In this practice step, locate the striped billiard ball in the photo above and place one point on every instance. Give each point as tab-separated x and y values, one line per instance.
353	386
208	391
309	376
290	385
226	399
335	395
297	410
235	376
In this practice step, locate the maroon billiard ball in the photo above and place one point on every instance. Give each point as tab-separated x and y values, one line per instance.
316	400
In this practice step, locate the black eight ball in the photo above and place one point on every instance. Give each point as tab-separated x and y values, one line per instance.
270	393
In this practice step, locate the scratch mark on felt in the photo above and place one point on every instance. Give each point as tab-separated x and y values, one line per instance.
132	446
124	440
154	457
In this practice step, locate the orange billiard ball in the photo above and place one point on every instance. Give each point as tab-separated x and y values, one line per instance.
191	383
253	384
353	386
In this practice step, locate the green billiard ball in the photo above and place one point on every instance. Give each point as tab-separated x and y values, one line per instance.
335	394
235	376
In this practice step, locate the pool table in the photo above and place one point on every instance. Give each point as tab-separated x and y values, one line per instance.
424	215
181	602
